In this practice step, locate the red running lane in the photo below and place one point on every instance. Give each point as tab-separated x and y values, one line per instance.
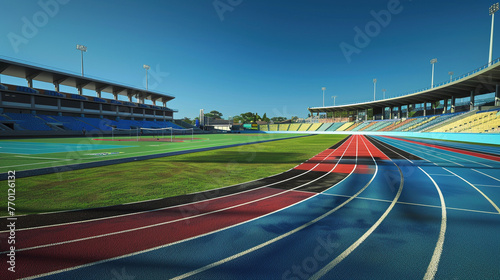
470	153
327	160
54	234
349	149
44	260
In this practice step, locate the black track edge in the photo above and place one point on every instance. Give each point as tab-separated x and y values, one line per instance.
393	152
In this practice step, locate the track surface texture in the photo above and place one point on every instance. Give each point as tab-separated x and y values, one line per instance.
367	208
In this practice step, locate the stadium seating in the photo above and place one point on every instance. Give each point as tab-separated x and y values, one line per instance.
263	127
26	89
79	97
69	123
345	126
3	87
304	127
314	127
335	126
273	127
472	123
361	126
368	126
29	122
324	127
53	93
294	127
284	127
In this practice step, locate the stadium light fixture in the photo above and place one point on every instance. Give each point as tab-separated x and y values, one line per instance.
83	49
433	61
451	75
334	99
323	88
493	9
374	88
147	67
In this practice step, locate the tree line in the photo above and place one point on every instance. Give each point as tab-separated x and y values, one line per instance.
242	118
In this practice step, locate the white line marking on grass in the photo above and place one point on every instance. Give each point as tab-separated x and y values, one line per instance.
198	236
62	159
164	208
436	256
472	185
203	201
358	242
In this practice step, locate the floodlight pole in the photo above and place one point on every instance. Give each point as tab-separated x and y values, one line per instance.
433	61
147	67
334	99
383	91
451	75
493	9
83	49
323	88
374	88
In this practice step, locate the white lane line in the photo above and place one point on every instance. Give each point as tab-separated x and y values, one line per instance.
443	175
176	220
358	242
436	256
235	256
162	246
496	179
208	199
404	144
441	151
414	204
194	237
472	185
491	186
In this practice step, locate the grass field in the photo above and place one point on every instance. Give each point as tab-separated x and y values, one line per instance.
26	154
162	177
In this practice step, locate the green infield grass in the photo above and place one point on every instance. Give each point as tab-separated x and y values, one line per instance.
162	177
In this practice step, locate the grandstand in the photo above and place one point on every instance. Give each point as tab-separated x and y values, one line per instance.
25	110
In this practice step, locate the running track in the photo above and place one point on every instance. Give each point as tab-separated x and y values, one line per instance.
368	207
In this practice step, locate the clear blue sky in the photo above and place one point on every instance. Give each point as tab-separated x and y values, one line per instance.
264	56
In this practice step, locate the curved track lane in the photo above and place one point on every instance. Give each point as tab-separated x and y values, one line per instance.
369	207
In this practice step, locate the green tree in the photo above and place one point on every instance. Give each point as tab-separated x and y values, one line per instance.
214	114
265	118
278	119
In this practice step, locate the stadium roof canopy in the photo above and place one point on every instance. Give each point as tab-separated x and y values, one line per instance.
57	78
480	81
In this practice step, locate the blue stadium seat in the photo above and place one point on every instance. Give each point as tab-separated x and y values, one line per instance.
53	93
76	96
26	89
29	122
